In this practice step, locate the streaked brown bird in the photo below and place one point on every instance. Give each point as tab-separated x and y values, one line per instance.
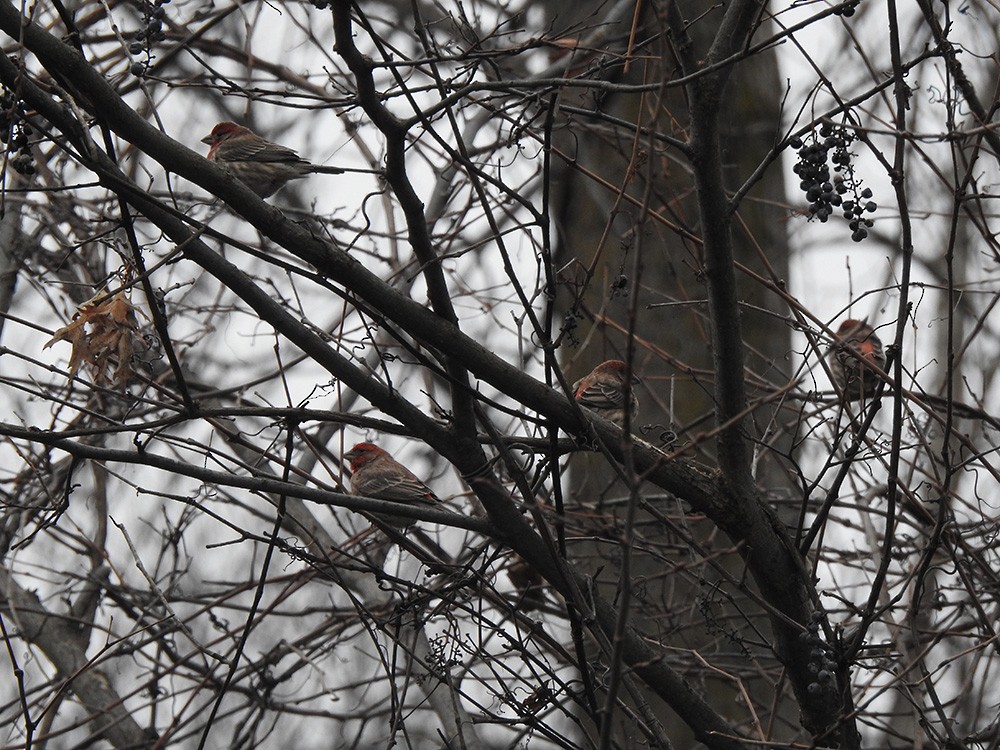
262	166
851	376
376	474
603	391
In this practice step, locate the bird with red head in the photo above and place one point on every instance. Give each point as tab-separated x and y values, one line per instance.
856	350
376	474
603	391
262	166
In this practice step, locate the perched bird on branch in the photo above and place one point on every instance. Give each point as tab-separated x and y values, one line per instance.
603	392
856	341
262	166
528	583
376	474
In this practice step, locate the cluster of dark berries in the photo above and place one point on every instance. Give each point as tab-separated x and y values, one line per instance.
619	285
820	666
569	327
826	191
716	624
444	654
854	211
14	132
847	9
142	43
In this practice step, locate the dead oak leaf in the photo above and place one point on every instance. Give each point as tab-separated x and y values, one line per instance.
102	333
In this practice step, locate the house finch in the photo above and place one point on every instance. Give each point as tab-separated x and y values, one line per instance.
376	474
262	166
528	582
603	391
852	377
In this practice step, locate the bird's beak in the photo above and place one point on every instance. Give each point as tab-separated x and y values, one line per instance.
207	139
350	455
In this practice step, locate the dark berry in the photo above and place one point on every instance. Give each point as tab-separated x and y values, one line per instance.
22	164
870	207
135	48
138	69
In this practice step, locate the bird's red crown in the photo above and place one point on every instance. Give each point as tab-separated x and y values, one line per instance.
362	453
224	130
850	325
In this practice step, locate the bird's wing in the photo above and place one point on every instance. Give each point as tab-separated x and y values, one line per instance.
262	151
404	489
601	396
